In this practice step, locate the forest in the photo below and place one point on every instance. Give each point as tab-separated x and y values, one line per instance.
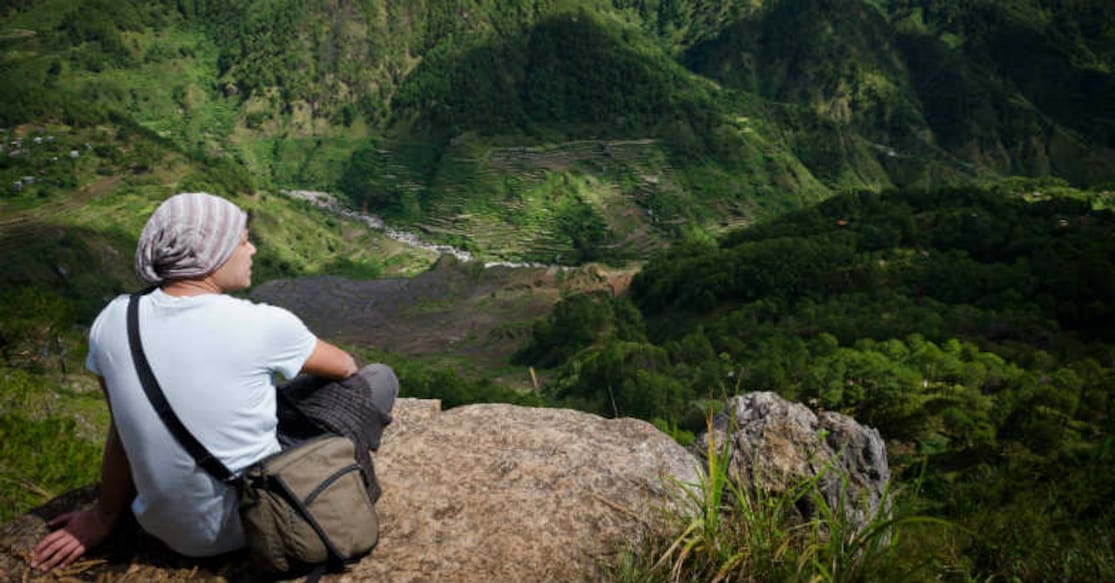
971	326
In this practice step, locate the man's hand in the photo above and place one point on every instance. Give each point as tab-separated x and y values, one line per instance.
77	532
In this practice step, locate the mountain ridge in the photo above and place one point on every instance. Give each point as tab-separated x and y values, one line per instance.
757	107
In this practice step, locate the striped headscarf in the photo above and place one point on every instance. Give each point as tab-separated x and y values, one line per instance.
189	235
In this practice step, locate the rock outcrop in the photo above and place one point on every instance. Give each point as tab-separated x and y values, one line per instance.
477	493
497	493
776	444
505	493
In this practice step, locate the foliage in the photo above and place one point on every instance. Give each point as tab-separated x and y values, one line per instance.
30	474
1038	519
585	230
757	108
969	324
574	323
30	325
961	323
363	180
1052	53
720	530
346	267
423	380
573	67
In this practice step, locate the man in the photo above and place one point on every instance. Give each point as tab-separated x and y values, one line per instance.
215	358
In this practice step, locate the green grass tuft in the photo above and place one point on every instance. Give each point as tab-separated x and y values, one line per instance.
721	530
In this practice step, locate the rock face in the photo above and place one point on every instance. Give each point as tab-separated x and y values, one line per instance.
505	493
499	493
477	493
776	444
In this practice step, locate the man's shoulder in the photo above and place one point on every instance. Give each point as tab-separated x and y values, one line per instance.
251	309
258	322
119	302
115	306
239	303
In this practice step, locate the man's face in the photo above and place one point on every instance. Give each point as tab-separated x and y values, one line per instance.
235	274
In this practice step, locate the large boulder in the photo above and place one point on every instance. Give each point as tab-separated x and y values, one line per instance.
477	493
776	445
504	493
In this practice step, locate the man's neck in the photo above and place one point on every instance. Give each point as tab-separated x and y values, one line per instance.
191	287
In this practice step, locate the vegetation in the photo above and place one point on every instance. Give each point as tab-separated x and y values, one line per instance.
962	313
967	325
27	477
425	380
700	116
741	532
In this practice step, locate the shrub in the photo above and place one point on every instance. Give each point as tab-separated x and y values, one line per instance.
720	530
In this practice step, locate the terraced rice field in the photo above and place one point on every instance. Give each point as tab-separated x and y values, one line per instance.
501	201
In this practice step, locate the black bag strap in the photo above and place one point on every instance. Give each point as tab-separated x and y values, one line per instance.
155	394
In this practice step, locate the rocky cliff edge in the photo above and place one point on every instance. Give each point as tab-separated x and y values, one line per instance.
476	493
500	493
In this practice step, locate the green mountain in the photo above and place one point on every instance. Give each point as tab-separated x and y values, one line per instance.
575	130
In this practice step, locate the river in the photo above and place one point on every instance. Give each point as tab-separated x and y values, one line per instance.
331	203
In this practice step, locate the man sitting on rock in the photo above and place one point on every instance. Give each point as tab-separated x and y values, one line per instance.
215	357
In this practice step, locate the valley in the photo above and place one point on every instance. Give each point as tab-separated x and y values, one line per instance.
463	315
900	210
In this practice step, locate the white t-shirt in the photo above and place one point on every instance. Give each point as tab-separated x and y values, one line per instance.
215	358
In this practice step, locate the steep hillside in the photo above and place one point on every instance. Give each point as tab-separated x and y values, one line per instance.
1058	55
914	104
746	108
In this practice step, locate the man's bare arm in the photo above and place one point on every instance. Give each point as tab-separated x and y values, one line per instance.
79	531
330	362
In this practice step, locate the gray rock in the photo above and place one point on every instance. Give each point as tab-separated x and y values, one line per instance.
478	493
506	493
775	445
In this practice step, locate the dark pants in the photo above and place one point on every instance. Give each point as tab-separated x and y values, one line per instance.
358	408
307	403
